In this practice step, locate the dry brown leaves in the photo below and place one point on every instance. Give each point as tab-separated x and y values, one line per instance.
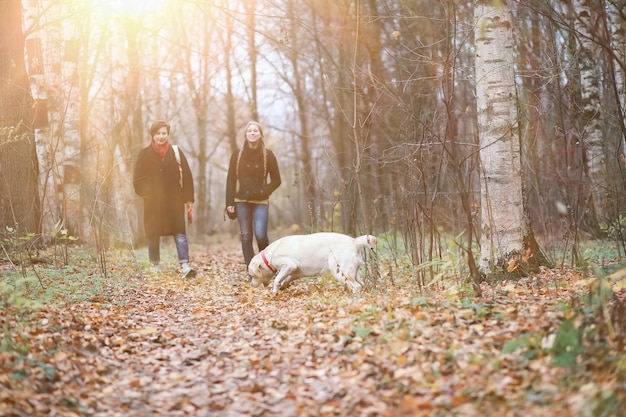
213	346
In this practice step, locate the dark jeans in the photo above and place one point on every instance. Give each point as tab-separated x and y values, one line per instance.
182	247
252	223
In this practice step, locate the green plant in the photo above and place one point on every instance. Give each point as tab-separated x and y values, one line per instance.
15	307
528	345
481	310
616	230
594	333
567	344
61	237
22	293
20	251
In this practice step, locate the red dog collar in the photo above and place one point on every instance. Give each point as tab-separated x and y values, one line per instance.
274	270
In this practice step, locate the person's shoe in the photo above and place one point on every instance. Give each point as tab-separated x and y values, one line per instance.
156	269
188	271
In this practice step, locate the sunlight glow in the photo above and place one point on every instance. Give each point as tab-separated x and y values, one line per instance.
127	7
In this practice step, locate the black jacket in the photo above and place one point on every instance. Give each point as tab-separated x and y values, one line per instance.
157	182
252	185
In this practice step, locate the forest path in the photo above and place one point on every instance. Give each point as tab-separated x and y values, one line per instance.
213	346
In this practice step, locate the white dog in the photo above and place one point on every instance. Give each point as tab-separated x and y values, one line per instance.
297	256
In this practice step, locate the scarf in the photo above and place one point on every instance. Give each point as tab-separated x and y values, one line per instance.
161	150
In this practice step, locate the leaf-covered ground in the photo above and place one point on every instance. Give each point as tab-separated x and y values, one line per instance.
213	346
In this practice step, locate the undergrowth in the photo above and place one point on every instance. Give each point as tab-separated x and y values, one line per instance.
590	333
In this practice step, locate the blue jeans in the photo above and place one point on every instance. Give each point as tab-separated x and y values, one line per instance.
252	223
182	247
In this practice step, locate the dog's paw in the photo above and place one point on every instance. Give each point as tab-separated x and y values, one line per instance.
285	285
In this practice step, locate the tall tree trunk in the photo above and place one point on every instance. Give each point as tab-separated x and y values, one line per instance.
457	145
46	143
616	10
231	127
587	25
371	119
125	131
250	6
63	76
60	150
197	70
346	138
139	136
297	86
19	198
502	211
338	89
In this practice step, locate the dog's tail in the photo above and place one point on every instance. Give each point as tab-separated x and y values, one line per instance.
365	241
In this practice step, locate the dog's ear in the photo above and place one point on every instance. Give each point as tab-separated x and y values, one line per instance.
367	241
257	269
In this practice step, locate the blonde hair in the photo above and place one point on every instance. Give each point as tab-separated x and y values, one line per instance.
257	124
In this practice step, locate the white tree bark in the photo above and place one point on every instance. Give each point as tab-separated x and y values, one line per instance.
502	212
586	20
68	117
46	142
53	79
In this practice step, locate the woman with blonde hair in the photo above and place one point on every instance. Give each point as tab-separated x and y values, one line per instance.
248	189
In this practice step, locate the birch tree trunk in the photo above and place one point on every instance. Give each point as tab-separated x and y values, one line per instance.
586	23
46	145
53	80
68	120
502	212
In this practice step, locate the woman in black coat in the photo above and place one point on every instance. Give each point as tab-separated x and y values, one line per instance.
248	190
166	187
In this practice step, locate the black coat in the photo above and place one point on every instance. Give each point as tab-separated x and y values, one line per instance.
251	185
157	182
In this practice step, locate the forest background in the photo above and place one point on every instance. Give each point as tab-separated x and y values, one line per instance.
386	117
479	140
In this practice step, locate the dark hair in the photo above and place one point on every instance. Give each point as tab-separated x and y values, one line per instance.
157	125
